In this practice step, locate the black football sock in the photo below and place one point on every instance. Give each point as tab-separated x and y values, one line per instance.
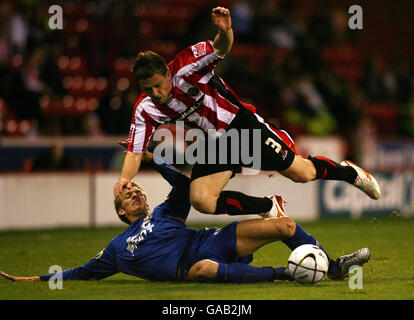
330	170
237	203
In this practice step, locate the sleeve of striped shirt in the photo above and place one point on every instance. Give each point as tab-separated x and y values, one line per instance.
141	131
198	57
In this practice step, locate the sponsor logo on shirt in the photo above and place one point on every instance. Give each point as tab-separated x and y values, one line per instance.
193	92
146	228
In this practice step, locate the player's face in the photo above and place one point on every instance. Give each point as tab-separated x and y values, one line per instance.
134	202
158	87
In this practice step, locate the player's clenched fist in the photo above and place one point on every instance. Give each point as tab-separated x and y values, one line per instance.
221	18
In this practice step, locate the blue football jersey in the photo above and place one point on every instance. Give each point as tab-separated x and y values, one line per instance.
152	246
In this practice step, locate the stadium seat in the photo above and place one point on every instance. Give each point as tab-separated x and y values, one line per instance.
384	115
345	62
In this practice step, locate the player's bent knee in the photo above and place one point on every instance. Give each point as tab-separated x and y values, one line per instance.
301	177
203	270
301	171
285	227
290	227
203	202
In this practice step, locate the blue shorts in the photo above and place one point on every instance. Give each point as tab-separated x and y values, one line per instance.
215	244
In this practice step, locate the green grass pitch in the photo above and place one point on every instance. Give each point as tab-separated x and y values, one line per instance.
388	275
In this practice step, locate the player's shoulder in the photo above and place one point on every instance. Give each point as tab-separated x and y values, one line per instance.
202	48
143	101
145	109
128	232
114	244
191	54
165	214
119	238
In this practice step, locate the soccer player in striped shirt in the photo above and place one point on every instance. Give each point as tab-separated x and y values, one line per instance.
188	89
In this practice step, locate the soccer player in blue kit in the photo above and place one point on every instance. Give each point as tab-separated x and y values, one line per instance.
159	246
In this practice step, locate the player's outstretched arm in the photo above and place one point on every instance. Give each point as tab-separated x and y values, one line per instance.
147	155
95	269
14	278
130	168
175	177
169	173
225	37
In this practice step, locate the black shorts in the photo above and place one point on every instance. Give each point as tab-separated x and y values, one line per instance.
266	148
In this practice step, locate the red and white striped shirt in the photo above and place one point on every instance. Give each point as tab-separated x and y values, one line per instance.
190	71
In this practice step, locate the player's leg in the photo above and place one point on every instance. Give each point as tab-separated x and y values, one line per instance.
278	153
305	170
253	234
208	181
290	164
219	260
250	236
208	270
207	195
205	190
203	270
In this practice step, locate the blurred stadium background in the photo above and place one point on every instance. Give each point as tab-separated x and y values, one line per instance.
66	98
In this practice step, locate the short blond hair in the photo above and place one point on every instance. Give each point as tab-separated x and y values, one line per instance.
118	202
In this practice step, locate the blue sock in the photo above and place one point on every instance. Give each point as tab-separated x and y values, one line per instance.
302	237
280	274
333	266
243	273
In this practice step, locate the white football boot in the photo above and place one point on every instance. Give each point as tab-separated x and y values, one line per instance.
277	210
365	181
358	258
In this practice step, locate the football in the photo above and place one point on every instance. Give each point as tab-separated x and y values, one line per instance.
308	264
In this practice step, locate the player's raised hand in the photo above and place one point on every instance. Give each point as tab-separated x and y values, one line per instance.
221	18
13	278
